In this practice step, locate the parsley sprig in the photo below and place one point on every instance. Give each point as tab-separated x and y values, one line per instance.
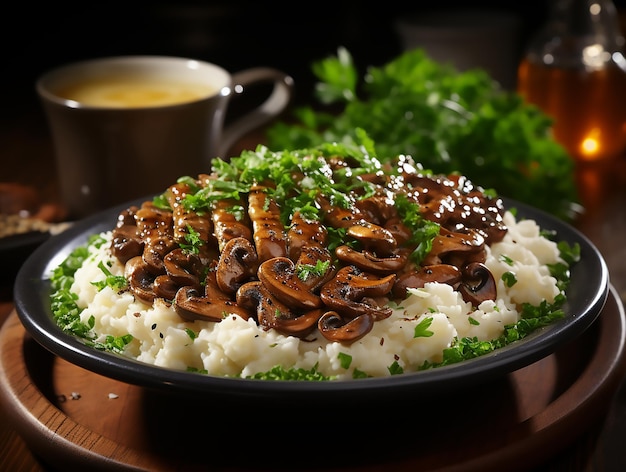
449	121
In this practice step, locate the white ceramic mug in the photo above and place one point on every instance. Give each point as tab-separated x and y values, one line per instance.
129	126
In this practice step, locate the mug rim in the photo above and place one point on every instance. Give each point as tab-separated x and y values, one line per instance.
45	83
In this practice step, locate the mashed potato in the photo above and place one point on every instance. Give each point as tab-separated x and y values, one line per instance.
235	346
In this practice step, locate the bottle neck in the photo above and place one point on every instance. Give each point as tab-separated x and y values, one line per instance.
583	33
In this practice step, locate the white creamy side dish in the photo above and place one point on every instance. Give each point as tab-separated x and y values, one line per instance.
236	346
405	283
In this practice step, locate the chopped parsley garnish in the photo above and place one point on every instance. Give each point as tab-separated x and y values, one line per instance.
421	330
116	282
193	241
395	368
506	259
345	360
423	231
305	271
112	343
509	279
280	373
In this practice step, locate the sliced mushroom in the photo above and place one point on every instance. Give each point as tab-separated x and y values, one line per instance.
279	276
351	293
378	209
456	248
272	313
126	242
478	284
268	231
190	305
369	261
335	328
442	273
336	216
153	222
211	290
237	264
400	232
304	232
164	287
184	267
250	295
300	326
229	224
155	251
310	255
140	279
373	237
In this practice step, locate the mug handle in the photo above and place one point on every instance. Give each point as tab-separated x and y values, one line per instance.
272	107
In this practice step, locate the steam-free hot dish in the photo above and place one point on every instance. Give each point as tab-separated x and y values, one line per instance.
314	264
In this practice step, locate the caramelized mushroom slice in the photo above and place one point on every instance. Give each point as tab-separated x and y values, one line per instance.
211	290
369	261
300	326
378	209
442	273
153	222
351	293
140	279
190	305
310	255
400	232
126	242
250	295
237	264
338	217
272	313
280	278
267	230
183	267
304	232
164	287
373	237
227	224
478	284
155	251
460	247
335	329
183	218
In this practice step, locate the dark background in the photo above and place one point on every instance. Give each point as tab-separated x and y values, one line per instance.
234	34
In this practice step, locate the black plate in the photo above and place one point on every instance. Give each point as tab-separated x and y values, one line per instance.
586	297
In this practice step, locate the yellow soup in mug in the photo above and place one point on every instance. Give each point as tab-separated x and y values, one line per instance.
133	92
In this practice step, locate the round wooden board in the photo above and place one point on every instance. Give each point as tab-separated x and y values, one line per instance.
75	418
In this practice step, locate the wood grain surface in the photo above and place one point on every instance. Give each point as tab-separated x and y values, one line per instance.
75	418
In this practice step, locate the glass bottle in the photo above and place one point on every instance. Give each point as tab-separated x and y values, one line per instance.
575	71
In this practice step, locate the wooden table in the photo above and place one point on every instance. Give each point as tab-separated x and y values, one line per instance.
27	158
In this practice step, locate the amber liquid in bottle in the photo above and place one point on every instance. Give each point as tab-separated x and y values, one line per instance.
588	107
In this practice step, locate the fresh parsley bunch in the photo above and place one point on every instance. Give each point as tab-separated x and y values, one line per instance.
448	121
